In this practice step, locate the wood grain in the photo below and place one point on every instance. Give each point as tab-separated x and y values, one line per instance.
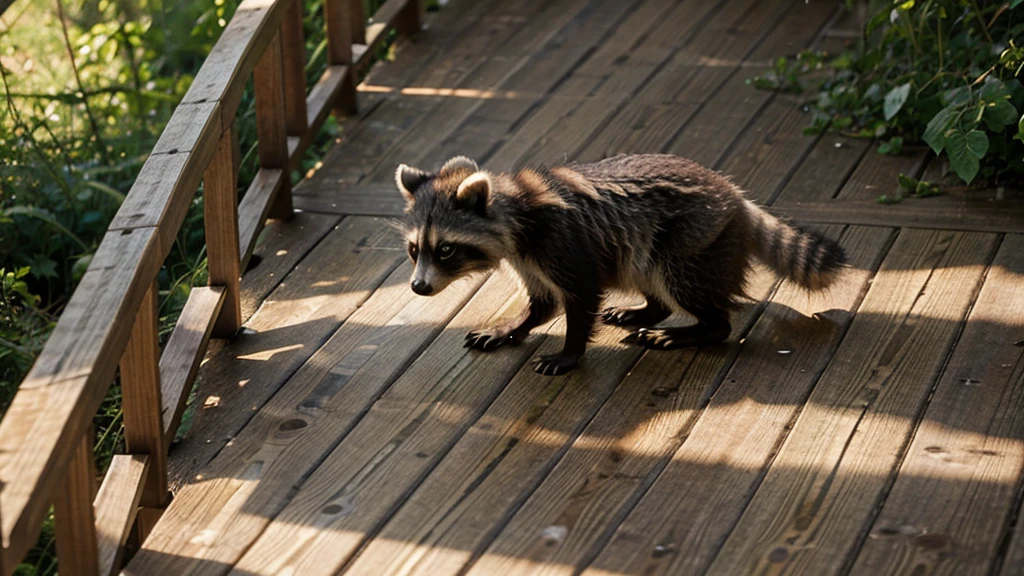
938	213
697	498
279	247
271	129
957	484
263	194
116	504
293	61
324	289
220	217
74	526
609	465
56	402
836	462
141	399
248	482
357	21
184	352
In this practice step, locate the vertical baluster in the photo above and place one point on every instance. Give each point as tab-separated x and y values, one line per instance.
270	122
358	22
408	22
74	518
293	56
140	396
338	14
220	207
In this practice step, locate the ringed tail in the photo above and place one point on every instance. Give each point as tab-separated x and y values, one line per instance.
805	257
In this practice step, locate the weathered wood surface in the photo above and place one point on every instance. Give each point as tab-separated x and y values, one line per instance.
74	526
116	504
347	430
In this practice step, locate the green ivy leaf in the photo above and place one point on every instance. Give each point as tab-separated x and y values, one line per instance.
895	100
965	150
999	115
907	183
935	133
1015	3
1020	128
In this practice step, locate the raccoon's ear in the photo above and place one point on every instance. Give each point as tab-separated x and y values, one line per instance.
459	162
475	191
408	179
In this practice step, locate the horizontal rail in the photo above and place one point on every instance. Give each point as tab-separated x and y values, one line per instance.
116	505
52	412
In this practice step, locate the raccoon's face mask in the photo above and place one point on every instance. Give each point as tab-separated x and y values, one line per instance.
449	231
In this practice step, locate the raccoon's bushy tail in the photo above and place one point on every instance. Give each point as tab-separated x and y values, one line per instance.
803	256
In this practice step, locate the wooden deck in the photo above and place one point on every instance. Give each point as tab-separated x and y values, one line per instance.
878	428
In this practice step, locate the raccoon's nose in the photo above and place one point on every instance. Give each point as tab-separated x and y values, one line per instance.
421	287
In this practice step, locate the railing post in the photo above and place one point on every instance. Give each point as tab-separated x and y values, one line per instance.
220	214
142	403
74	518
358	22
408	22
293	56
268	78
338	14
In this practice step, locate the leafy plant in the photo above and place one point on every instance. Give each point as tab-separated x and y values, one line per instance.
941	72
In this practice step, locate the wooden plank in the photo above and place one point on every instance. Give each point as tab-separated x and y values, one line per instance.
271	129
957	485
835	464
184	352
403	436
603	471
141	399
444	118
694	78
327	286
688	29
696	499
56	402
293	60
226	70
251	480
74	526
220	208
941	213
826	170
281	245
370	199
468	43
878	174
358	21
254	209
116	505
338	18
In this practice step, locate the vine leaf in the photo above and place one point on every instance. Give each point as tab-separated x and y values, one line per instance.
965	150
895	100
935	133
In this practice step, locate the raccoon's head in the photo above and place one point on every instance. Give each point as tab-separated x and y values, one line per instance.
451	226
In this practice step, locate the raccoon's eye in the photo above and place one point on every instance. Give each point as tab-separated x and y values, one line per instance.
414	250
446	251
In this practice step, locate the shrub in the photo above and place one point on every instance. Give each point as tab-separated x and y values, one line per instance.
941	72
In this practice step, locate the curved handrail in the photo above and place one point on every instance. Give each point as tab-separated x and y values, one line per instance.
109	319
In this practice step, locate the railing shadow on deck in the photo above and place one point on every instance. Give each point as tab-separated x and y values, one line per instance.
45	452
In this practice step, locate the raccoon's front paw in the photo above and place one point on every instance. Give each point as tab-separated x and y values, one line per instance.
490	339
555	364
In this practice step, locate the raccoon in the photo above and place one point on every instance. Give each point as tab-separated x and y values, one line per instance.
666	227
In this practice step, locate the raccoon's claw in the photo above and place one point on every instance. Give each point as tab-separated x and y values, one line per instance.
487	340
554	364
654	339
647	315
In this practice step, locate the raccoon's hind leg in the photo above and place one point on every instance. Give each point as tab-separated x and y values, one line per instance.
541	309
647	314
710	328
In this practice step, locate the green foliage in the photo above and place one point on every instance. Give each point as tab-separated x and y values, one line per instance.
941	72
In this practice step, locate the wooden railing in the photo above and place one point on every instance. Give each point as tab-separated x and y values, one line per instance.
111	320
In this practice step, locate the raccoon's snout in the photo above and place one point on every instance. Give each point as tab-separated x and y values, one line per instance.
421	287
